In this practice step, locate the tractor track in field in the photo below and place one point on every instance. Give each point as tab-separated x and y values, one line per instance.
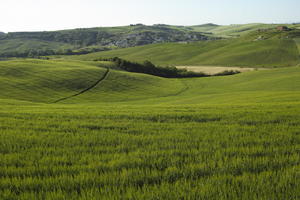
184	89
87	89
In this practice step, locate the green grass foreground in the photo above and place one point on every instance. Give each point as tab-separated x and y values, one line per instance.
136	136
150	152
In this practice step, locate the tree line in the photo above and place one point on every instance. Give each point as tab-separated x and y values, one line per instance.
167	72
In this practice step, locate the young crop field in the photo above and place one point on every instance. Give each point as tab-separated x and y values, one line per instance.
46	81
149	152
84	130
136	136
94	109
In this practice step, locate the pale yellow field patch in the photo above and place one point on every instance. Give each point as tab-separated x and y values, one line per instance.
211	70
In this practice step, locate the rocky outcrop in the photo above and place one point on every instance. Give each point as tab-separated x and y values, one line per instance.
80	41
135	36
150	37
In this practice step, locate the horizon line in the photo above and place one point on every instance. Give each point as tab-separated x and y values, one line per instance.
63	29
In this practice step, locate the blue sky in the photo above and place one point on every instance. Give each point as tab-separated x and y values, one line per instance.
39	15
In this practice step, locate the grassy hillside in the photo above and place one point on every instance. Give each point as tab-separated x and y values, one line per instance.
31	47
141	137
92	39
234	52
125	87
277	85
236	30
232	30
86	40
74	128
45	81
48	81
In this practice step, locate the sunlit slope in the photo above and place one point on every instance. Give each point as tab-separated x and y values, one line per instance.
48	81
232	30
233	52
267	86
236	30
125	87
45	81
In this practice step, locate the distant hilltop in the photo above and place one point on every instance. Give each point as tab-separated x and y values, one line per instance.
208	24
88	40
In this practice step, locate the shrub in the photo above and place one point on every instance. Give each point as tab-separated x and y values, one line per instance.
149	68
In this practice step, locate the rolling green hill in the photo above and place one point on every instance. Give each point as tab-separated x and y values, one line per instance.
80	41
136	136
87	40
234	30
277	85
234	52
48	81
45	81
74	128
31	47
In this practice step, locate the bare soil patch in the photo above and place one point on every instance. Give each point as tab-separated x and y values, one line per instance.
211	70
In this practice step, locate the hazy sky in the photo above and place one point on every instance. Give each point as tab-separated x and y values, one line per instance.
39	15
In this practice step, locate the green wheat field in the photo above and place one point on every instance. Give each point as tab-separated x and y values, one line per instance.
135	136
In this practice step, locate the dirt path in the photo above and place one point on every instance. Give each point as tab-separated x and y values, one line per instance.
87	89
